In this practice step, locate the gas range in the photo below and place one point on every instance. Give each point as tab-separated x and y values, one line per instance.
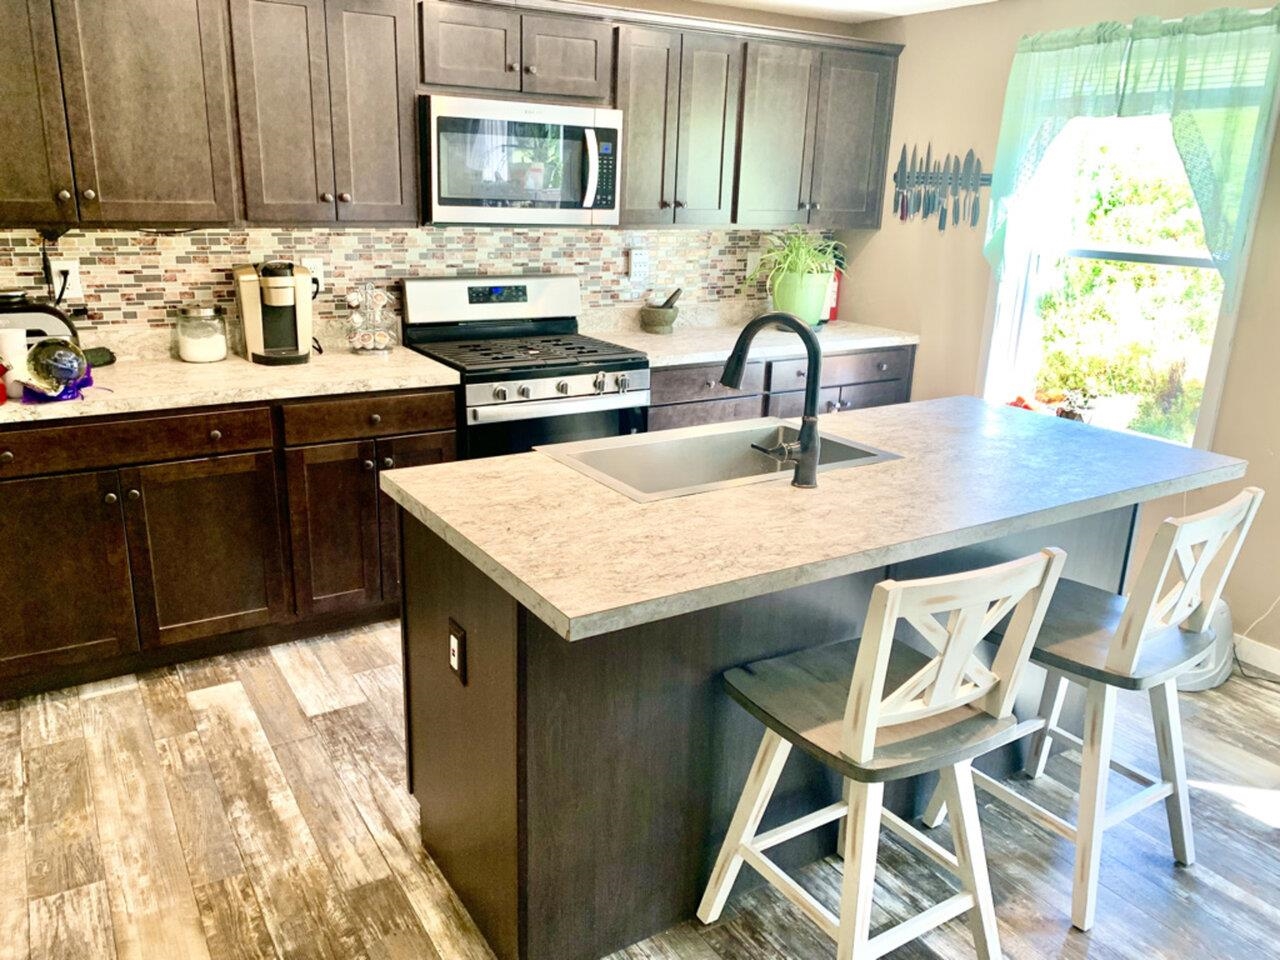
515	342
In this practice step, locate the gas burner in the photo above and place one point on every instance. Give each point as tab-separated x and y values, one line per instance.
526	352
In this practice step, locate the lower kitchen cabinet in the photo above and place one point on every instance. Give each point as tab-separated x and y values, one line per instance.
205	547
64	579
415	451
854	396
705	411
333	521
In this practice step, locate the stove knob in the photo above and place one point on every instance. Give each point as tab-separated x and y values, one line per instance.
525	391
599	382
563	387
623	382
499	393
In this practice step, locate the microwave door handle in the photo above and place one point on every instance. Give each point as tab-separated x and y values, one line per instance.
593	168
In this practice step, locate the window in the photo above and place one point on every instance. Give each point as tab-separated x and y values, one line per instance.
1121	302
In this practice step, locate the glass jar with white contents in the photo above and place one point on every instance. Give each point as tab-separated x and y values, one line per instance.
202	335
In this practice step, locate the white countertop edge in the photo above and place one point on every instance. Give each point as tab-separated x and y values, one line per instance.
583	626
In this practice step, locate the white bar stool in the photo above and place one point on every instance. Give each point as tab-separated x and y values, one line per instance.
1096	639
940	712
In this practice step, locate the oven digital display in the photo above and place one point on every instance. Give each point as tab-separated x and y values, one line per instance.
514	294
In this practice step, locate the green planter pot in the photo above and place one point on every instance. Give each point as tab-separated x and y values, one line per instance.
803	294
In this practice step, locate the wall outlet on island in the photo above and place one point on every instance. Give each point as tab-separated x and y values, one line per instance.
315	266
458	652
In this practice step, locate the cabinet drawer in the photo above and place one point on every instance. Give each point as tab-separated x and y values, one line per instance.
792	404
861	395
376	416
120	443
894	364
709	411
682	384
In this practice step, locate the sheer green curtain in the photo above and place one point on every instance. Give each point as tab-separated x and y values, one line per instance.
1215	76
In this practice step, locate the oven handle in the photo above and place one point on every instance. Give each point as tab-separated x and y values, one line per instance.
593	168
537	409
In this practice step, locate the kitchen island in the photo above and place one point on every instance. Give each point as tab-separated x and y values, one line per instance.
576	772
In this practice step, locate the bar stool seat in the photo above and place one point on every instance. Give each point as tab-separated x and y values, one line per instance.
1081	624
802	697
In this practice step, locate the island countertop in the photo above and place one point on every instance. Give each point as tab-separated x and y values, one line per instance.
696	345
588	560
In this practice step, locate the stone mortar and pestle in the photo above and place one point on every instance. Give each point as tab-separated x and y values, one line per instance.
659	319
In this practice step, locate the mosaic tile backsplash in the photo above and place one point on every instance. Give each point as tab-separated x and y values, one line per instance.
137	277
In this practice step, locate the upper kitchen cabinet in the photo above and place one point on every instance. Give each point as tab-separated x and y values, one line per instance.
680	95
851	150
148	105
815	135
36	184
778	119
326	101
500	49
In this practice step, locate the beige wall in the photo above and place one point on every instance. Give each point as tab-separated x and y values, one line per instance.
951	87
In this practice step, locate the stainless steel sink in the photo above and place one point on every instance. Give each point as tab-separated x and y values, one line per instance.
676	463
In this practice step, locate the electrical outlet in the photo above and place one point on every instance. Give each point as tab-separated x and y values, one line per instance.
73	291
638	265
315	266
458	652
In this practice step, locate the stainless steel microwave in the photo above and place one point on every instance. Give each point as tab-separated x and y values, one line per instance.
502	161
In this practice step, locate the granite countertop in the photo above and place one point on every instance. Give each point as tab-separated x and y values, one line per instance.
586	559
139	385
688	345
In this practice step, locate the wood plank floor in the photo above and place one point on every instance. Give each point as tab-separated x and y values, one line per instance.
253	807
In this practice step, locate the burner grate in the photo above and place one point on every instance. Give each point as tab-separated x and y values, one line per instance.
524	352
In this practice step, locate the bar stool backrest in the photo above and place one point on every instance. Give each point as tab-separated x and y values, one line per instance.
1179	583
973	603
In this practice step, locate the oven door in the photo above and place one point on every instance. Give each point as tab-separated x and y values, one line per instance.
494	161
497	437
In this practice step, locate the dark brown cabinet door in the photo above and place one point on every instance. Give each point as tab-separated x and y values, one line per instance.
148	104
286	137
371	80
706	411
35	154
710	86
205	547
855	108
778	117
65	576
467	45
649	98
566	56
333	520
419	450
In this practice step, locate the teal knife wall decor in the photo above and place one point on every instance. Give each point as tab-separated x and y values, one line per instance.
945	191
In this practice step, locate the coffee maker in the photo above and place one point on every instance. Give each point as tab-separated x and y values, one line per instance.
275	306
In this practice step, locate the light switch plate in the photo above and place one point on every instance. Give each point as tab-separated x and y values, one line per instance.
315	266
74	290
458	652
638	266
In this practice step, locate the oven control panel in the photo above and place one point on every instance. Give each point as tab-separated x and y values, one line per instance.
578	385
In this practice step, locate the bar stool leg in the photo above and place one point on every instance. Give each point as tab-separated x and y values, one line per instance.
771	757
861	844
957	782
935	811
1173	768
1055	690
1099	728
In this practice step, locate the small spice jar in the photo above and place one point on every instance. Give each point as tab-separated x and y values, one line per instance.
202	334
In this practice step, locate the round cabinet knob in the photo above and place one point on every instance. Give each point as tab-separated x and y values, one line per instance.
709	384
375	418
344	198
664	204
64	195
367	464
679	204
882	366
90	194
525	391
215	435
6	457
388	463
134	495
531	70
815	206
563	387
326	197
623	382
800	374
833	406
500	393
512	67
110	499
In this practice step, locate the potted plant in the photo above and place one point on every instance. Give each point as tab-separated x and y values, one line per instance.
799	266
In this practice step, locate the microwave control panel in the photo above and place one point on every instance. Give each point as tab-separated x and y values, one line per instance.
607	180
